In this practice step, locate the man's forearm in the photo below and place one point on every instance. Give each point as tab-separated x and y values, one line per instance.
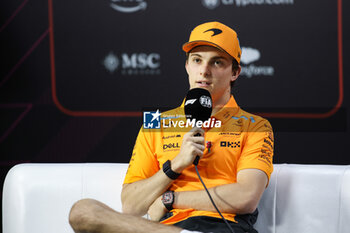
226	199
238	198
137	197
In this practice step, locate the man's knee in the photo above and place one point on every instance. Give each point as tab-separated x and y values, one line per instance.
81	216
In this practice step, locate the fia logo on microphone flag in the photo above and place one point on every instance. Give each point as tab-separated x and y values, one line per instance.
151	120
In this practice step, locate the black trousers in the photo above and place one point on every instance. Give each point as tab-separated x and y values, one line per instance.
216	225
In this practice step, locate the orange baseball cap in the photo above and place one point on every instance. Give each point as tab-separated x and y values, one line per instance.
215	34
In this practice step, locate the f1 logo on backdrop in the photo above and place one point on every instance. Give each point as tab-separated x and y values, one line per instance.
151	120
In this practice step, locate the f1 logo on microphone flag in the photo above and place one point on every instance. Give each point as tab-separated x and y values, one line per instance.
151	120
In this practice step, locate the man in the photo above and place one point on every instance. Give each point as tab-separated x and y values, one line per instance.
235	164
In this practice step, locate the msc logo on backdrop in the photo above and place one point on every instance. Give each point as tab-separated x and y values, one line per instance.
133	64
250	55
128	6
111	62
212	4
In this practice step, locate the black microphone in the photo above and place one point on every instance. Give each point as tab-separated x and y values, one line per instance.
198	106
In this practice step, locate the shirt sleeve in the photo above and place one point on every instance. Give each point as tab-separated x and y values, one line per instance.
143	163
258	148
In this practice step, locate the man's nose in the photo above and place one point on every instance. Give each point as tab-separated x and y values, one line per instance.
205	70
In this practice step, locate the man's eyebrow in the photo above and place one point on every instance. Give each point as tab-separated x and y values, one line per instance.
220	57
212	58
195	54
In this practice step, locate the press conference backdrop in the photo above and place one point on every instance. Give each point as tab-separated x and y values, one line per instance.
110	59
75	75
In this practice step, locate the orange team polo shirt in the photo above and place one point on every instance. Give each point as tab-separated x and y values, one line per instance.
243	141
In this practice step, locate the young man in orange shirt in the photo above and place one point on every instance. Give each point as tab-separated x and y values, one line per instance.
163	183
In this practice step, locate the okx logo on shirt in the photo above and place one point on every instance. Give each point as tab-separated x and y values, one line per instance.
151	120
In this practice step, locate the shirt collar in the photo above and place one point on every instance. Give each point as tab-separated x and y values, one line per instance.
225	113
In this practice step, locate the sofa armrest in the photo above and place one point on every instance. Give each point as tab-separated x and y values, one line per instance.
38	197
306	198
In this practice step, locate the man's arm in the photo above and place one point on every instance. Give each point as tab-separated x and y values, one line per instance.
240	198
138	196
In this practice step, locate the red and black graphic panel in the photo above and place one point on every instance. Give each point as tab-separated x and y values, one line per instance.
115	57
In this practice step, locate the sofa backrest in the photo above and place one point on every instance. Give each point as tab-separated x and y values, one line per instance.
300	198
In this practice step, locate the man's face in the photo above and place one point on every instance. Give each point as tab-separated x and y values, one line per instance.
210	68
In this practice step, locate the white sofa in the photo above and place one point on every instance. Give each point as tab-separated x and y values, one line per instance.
300	198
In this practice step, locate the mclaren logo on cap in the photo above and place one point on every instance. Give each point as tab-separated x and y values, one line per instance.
215	31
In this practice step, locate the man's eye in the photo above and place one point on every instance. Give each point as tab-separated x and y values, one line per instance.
218	62
196	60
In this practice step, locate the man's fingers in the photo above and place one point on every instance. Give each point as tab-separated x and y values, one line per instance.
200	147
198	152
198	140
196	131
195	146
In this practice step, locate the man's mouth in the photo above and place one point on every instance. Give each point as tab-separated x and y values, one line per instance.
203	83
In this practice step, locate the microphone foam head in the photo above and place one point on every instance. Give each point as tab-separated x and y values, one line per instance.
198	104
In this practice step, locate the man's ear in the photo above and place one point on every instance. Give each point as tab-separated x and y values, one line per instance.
236	73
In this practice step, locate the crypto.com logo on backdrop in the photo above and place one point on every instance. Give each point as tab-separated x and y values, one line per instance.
128	6
212	4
